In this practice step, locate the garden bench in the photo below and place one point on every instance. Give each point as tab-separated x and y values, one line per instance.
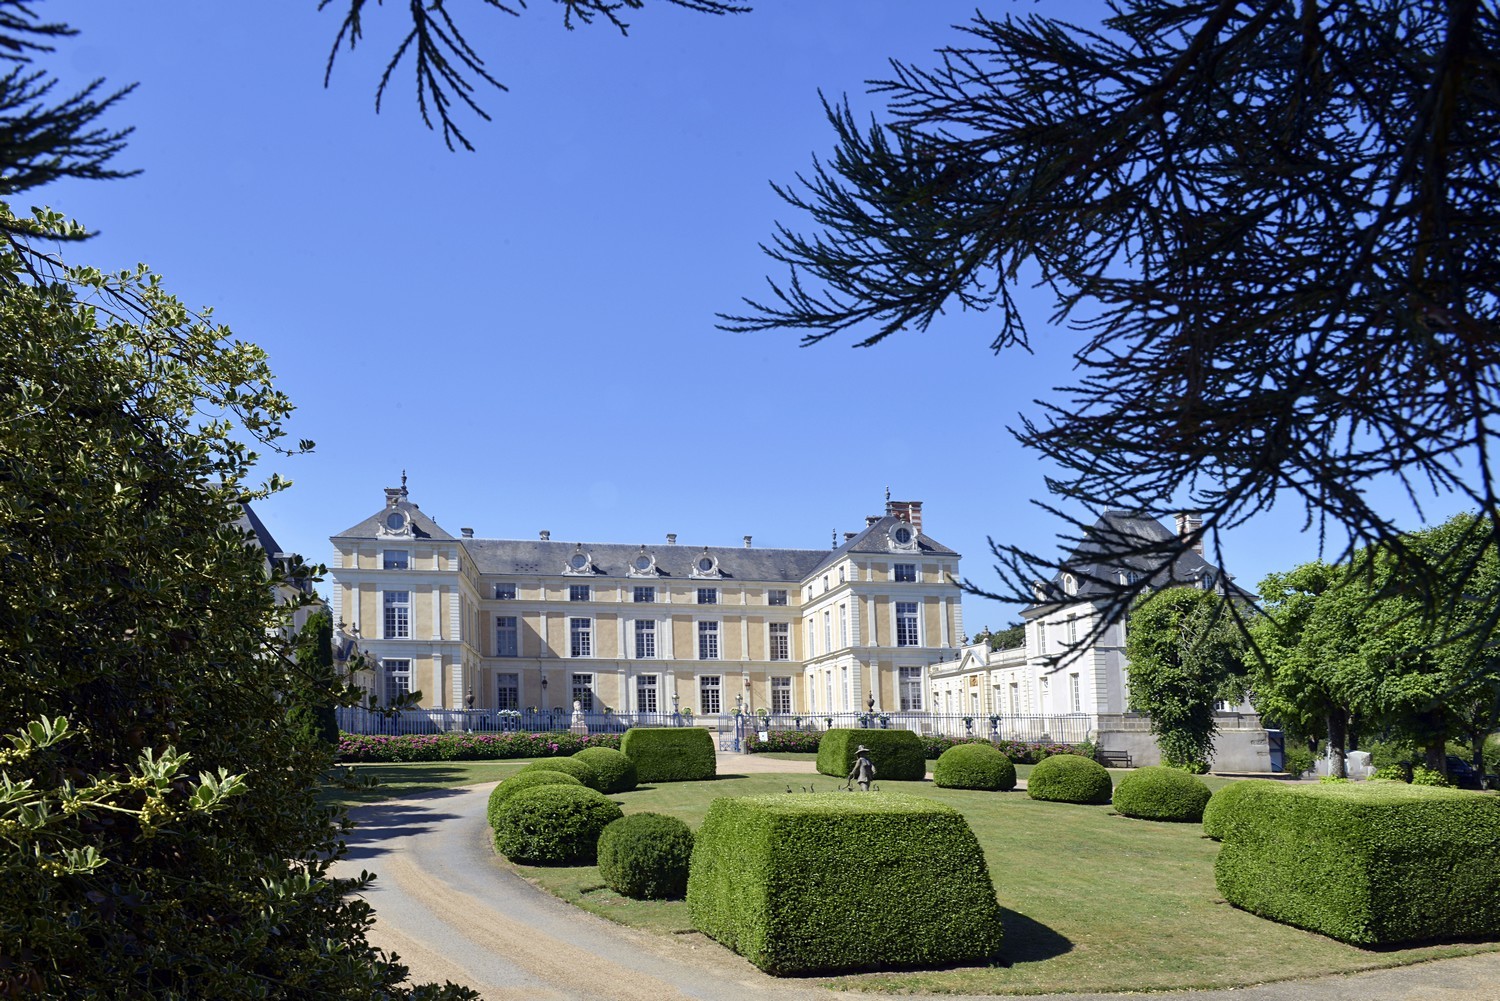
1115	759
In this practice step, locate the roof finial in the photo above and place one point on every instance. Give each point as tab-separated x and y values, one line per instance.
887	495
403	484
835	539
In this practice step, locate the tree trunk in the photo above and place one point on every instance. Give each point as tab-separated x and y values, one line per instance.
1436	756
1338	725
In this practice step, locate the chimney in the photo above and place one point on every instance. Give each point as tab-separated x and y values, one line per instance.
1187	524
871	519
546	535
671	538
849	535
467	533
908	511
747	542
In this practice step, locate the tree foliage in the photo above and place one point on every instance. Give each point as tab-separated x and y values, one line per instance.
1185	653
1274	226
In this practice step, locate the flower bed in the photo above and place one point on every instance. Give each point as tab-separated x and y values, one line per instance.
467	746
1020	752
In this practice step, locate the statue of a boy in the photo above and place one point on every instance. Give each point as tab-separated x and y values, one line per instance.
863	770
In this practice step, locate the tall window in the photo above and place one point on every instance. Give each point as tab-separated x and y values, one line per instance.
1072	629
843	625
708	641
645	638
905	572
645	594
397	559
580	637
906	623
583	691
578	592
1045	695
1075	693
507	640
776	597
397	615
841	575
781	696
508	691
827	630
505	592
397	679
911	689
708	694
1015	698
645	693
781	641
809	637
708	596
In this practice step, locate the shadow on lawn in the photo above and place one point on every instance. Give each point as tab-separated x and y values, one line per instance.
1028	941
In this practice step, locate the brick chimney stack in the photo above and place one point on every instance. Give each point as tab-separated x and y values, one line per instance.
747	542
1187	524
546	535
908	511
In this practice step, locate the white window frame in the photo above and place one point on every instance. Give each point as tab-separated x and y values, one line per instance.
505	592
811	632
385	558
710	630
580	626
648	684
710	683
645	628
513	688
515	635
827	629
397	678
387	606
896	573
781	696
583	690
580	592
897	633
909	688
843	625
1075	692
649	590
782	632
776	596
708	596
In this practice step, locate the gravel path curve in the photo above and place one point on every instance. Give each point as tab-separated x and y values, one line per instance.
453	913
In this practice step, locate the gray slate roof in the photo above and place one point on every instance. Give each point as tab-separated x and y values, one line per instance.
612	559
872	541
249	521
422	526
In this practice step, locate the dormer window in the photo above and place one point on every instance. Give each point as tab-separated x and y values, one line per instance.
395	521
706	565
1069	584
580	562
901	538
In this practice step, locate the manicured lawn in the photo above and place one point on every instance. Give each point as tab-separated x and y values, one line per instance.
400	780
1093	901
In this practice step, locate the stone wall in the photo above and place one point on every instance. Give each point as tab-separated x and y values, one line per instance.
1240	747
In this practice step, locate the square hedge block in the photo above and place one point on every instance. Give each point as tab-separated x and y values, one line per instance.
816	883
898	755
670	753
1369	863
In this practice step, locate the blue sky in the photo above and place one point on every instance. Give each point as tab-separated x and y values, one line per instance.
528	330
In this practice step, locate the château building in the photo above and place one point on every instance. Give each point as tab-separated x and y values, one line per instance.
648	628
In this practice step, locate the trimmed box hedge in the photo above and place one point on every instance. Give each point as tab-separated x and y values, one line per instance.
1069	778
1160	793
670	753
974	766
646	856
809	883
553	825
580	770
525	780
616	771
896	754
1366	863
1224	806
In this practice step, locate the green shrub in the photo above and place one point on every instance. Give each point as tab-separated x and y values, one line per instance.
974	766
1366	863
524	780
1492	753
580	770
1386	753
1390	773
896	754
1160	793
1223	806
1421	775
813	883
670	753
553	824
1296	759
646	856
797	741
615	769
1068	778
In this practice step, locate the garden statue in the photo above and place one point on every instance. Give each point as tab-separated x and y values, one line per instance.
579	725
863	770
469	700
870	702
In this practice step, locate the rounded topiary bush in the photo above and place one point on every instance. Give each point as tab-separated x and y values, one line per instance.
646	856
1160	793
580	770
974	766
616	771
525	780
1069	778
553	824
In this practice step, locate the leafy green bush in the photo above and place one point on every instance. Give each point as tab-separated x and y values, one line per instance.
797	741
1160	793
616	771
1296	759
896	754
974	766
1492	753
1068	778
580	770
1390	773
524	780
1370	863
553	824
1222	808
646	856
357	747
813	883
1421	775
671	753
1386	753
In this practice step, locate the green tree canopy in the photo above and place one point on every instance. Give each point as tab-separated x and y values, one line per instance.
1185	654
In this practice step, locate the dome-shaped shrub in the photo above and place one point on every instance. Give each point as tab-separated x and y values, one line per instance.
525	780
1160	793
1069	778
646	856
553	824
974	766
580	770
615	769
1219	813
